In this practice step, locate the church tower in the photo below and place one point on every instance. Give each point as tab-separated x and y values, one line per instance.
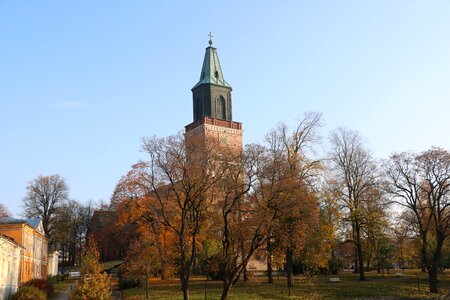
212	106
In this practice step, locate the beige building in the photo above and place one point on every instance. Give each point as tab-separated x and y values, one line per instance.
10	253
30	235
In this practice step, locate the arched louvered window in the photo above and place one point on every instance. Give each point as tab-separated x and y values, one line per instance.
221	108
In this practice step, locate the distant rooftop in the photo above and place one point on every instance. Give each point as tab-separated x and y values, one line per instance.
33	222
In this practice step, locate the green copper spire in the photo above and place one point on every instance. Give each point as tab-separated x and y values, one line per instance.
211	71
212	94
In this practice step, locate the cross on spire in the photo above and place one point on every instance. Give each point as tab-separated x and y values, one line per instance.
210	38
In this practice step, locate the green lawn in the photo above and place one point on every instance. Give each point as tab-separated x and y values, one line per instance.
315	288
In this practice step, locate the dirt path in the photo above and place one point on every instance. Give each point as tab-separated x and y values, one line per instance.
63	294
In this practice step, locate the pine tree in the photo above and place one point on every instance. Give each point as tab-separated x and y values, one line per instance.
94	285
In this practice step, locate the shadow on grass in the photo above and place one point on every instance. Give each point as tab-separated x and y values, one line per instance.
305	288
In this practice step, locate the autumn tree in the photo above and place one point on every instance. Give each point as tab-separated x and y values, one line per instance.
179	178
138	218
354	180
142	260
94	283
238	213
45	196
377	228
421	184
329	229
291	181
404	246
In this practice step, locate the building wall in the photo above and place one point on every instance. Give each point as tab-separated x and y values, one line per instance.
228	133
9	267
33	262
52	267
205	102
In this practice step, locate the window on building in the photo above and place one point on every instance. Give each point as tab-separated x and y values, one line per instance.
221	108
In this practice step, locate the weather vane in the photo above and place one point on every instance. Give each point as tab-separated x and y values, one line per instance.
210	38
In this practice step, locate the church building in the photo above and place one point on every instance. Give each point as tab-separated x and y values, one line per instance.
212	110
212	121
212	106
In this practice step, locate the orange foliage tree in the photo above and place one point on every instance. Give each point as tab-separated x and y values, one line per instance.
179	177
94	284
137	216
290	185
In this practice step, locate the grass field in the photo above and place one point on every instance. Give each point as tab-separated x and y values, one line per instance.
305	288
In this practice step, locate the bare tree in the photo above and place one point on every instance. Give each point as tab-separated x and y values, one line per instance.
421	184
69	236
4	211
354	175
45	196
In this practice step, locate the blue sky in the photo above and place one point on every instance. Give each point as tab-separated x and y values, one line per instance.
81	82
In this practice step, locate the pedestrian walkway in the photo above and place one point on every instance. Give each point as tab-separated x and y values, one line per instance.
63	294
117	294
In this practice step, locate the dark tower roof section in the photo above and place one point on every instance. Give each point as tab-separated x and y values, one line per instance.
211	71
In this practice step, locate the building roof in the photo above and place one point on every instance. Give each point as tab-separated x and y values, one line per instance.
33	222
211	71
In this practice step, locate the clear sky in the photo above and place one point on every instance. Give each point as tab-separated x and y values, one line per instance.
81	82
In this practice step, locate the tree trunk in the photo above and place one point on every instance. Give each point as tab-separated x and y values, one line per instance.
146	284
289	267
269	263
245	273
362	276
184	278
356	263
369	262
226	289
423	253
185	287
269	269
433	268
432	278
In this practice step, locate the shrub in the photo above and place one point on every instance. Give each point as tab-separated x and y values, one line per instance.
41	284
93	284
212	267
127	283
126	280
28	292
56	278
334	266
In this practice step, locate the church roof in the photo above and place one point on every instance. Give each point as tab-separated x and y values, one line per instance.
211	71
